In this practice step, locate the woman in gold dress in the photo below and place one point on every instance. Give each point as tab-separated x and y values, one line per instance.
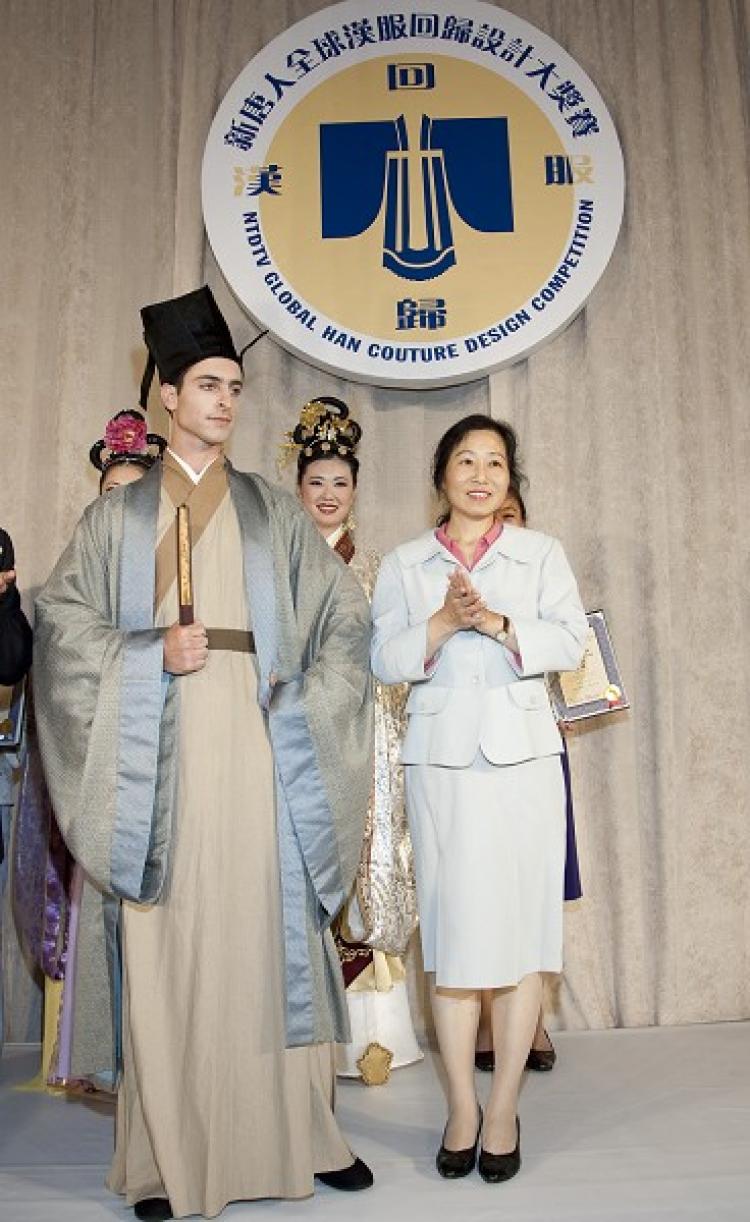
374	928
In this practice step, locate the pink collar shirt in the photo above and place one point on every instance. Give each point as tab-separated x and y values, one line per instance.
483	546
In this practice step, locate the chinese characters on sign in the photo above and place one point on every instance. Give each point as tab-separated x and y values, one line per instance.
413	194
568	99
257	180
427	314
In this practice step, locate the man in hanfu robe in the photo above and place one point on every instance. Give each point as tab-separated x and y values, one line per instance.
214	777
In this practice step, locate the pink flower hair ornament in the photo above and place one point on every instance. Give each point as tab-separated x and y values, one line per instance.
126	433
126	440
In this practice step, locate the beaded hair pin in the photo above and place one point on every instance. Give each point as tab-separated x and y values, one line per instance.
325	428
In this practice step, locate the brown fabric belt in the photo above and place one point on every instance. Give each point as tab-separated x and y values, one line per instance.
234	639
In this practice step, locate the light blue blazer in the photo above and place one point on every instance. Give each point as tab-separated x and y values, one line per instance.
476	694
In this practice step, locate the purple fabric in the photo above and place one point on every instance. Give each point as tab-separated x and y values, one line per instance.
572	889
56	899
60	1068
41	868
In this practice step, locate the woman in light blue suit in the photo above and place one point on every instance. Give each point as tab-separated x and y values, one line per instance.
473	615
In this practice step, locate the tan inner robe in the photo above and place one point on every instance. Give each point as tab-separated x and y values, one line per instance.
212	1107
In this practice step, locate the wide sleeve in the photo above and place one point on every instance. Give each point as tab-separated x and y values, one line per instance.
99	698
322	720
555	640
398	652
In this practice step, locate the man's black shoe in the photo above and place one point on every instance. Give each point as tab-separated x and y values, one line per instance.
349	1179
153	1208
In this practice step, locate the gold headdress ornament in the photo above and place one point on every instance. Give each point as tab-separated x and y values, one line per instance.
325	428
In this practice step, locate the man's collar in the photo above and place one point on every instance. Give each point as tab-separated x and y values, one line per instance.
195	476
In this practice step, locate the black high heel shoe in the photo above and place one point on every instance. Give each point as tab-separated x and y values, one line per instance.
495	1168
484	1060
542	1059
454	1164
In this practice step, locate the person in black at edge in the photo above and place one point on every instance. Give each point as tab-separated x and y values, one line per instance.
15	630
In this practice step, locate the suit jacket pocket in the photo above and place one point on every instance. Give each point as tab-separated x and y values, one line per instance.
427	698
443	726
518	723
529	694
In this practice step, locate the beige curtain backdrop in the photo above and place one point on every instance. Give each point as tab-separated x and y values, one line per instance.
634	423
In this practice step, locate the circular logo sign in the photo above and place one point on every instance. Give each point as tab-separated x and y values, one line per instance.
412	197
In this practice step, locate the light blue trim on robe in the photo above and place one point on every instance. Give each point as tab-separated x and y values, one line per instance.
303	814
305	793
260	587
113	943
137	577
260	576
135	876
300	1013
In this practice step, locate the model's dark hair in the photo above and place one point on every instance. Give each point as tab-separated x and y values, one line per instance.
304	460
147	462
451	440
179	381
516	494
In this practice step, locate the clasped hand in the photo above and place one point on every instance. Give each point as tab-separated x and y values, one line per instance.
463	608
463	605
185	648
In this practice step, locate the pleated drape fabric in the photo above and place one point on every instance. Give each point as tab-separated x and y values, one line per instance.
634	423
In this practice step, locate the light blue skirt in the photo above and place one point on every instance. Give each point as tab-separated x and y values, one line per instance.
489	857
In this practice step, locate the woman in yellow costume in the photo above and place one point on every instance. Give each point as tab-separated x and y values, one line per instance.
380	916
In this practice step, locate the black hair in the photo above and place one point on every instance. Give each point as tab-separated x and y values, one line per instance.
451	439
515	492
146	462
326	430
304	460
179	381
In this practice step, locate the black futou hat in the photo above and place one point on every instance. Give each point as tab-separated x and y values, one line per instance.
181	332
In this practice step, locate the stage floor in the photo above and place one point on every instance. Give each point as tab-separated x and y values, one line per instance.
652	1125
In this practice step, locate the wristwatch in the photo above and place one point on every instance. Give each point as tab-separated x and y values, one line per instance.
502	634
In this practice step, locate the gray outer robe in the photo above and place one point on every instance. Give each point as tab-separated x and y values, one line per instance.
107	718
